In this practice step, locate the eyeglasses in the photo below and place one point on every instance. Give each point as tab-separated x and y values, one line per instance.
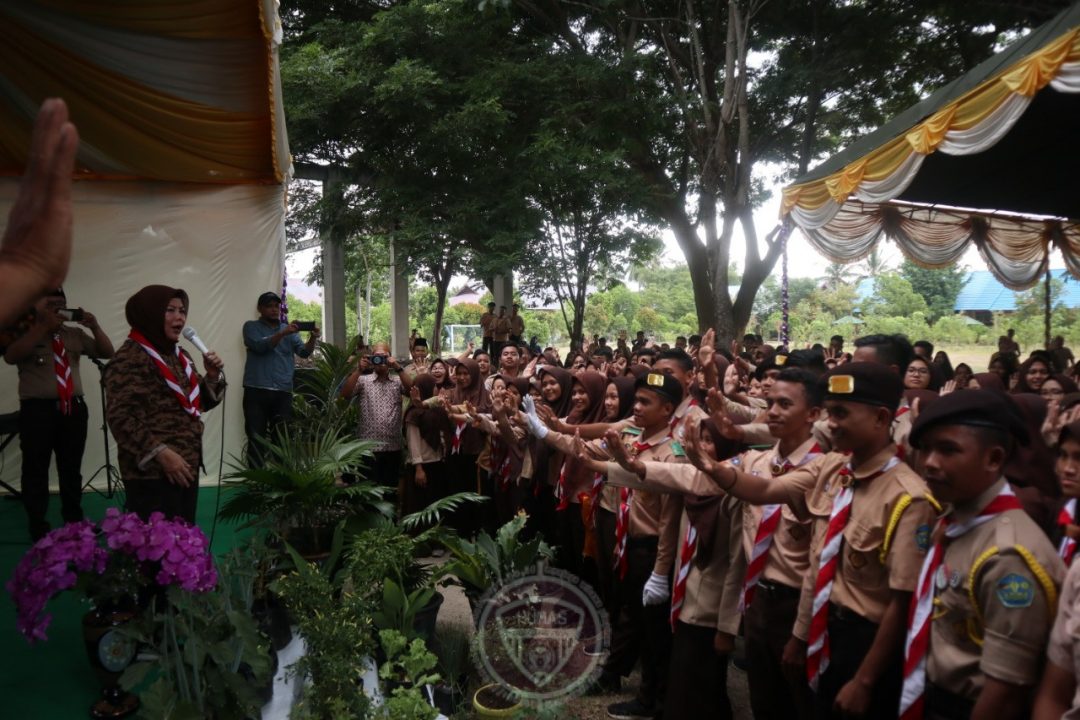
918	371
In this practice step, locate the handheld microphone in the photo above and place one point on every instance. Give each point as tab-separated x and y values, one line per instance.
193	337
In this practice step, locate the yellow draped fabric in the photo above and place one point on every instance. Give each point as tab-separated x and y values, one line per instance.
134	124
1025	78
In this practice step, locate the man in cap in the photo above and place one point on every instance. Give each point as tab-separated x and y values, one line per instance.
871	531
52	413
487	326
982	610
268	372
418	349
644	548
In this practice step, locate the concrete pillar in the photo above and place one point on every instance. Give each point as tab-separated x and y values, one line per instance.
399	306
333	258
503	291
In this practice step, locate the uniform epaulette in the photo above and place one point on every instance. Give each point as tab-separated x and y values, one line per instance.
894	519
1005	532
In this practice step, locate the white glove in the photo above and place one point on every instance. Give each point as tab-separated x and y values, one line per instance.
657	589
536	427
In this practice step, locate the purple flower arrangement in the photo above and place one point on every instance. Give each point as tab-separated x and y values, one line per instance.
112	560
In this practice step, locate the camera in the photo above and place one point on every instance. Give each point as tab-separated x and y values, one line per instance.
378	359
305	325
71	314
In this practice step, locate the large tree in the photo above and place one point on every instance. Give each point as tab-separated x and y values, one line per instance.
707	91
939	287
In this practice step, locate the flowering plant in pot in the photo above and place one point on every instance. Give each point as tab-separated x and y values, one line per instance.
117	564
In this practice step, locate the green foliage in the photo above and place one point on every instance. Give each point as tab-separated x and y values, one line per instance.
893	295
939	288
399	607
408	668
488	561
209	657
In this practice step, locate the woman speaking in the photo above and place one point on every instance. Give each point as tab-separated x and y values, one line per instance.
154	404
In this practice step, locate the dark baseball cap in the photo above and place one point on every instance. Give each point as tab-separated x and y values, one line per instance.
268	297
864	382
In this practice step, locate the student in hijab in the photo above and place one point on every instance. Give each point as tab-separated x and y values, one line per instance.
1031	467
427	435
466	442
440	371
155	401
509	442
556	384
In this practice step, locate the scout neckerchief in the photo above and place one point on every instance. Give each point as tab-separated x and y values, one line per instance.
922	602
686	554
560	489
455	442
65	386
675	420
500	453
817	643
1067	517
594	496
189	401
622	517
763	538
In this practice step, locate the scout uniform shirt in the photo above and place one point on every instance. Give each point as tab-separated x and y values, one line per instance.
1064	647
992	610
759	434
884	541
651	514
487	323
788	559
716	572
688	410
37	374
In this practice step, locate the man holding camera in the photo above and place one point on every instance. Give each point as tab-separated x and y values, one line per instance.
268	372
378	395
52	412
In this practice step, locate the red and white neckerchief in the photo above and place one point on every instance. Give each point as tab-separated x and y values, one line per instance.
675	420
65	386
622	530
594	495
560	489
763	538
817	643
901	411
686	555
501	456
922	602
189	401
455	442
1066	517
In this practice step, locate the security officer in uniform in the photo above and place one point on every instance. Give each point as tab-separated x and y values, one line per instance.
646	543
872	519
988	589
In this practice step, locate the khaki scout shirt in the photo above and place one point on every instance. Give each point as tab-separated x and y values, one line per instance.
688	410
1016	613
517	325
864	581
501	329
37	375
712	592
1064	647
651	514
788	560
758	433
487	323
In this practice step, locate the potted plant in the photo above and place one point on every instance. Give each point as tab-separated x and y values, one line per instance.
119	565
208	655
451	647
406	674
248	571
479	564
299	493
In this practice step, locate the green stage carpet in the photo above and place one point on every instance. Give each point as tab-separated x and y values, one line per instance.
53	680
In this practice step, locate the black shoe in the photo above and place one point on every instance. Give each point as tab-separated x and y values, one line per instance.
630	710
38	530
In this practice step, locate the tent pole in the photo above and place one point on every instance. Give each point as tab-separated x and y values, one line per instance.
1046	309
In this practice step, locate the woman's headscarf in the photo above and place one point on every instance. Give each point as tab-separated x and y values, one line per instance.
1021	382
624	386
566	383
519	383
989	381
1033	465
1068	385
702	510
434	423
595	385
448	380
145	312
474	392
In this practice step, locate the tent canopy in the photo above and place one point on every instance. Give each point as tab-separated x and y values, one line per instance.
990	158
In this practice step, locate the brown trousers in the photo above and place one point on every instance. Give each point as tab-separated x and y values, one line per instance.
697	677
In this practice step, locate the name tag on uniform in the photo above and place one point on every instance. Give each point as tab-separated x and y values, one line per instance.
677	449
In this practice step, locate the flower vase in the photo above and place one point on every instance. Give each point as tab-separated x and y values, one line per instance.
110	652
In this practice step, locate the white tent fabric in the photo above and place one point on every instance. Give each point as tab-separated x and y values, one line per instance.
223	244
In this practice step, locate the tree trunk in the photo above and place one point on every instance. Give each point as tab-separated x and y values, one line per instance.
442	285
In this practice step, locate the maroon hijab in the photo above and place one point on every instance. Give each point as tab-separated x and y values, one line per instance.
566	382
595	385
145	312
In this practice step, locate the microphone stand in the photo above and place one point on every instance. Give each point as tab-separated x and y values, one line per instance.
112	474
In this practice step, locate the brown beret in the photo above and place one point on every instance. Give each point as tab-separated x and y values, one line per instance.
868	383
974	408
